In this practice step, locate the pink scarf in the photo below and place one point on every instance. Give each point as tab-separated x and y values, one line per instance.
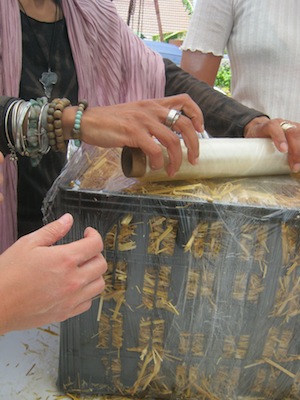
112	64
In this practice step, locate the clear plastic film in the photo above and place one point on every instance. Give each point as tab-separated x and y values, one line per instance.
219	158
202	288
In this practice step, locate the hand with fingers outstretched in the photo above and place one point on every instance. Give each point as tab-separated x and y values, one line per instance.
41	283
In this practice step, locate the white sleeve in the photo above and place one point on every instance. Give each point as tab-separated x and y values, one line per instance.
210	26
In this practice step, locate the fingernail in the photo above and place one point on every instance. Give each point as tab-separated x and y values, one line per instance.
171	172
296	168
283	147
65	219
195	161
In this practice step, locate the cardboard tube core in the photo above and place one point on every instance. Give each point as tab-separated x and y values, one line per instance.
133	162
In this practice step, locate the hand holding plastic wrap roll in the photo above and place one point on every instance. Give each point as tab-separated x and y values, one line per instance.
219	158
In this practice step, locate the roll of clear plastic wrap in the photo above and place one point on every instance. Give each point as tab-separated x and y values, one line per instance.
219	158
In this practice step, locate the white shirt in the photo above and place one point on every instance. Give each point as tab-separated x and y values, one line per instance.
262	38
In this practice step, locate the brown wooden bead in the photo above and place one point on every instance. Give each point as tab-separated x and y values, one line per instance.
57	124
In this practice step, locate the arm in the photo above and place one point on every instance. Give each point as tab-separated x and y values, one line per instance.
207	37
136	124
132	124
41	283
225	117
202	66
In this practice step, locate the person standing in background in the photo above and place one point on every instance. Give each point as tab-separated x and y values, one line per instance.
263	43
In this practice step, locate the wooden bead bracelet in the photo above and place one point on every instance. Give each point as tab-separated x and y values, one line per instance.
54	124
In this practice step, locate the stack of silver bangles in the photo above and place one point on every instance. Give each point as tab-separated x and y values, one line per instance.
25	128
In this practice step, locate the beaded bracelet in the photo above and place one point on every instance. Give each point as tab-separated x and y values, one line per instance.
54	124
82	106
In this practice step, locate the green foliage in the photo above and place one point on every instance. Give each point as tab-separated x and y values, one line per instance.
223	78
179	34
188	6
170	35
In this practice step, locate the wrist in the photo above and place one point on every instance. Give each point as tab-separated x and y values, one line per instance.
71	120
67	119
254	122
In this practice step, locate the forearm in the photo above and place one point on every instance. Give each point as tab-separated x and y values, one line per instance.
223	116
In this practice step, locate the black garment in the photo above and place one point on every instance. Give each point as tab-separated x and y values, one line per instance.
223	116
34	182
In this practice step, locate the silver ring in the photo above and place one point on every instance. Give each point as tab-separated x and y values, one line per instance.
286	125
172	117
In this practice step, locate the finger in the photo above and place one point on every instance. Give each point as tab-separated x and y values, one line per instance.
85	302
91	232
268	129
93	289
92	269
188	123
293	138
52	232
83	249
151	147
171	142
275	131
79	309
184	103
190	137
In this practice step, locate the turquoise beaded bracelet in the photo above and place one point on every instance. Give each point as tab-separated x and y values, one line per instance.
82	106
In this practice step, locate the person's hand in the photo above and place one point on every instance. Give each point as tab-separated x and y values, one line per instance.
137	124
41	283
285	135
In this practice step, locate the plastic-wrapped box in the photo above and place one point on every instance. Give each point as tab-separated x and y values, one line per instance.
202	290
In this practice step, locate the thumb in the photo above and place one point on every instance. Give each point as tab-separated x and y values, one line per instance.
52	232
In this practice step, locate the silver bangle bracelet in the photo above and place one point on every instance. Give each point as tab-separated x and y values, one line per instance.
13	153
42	130
21	139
